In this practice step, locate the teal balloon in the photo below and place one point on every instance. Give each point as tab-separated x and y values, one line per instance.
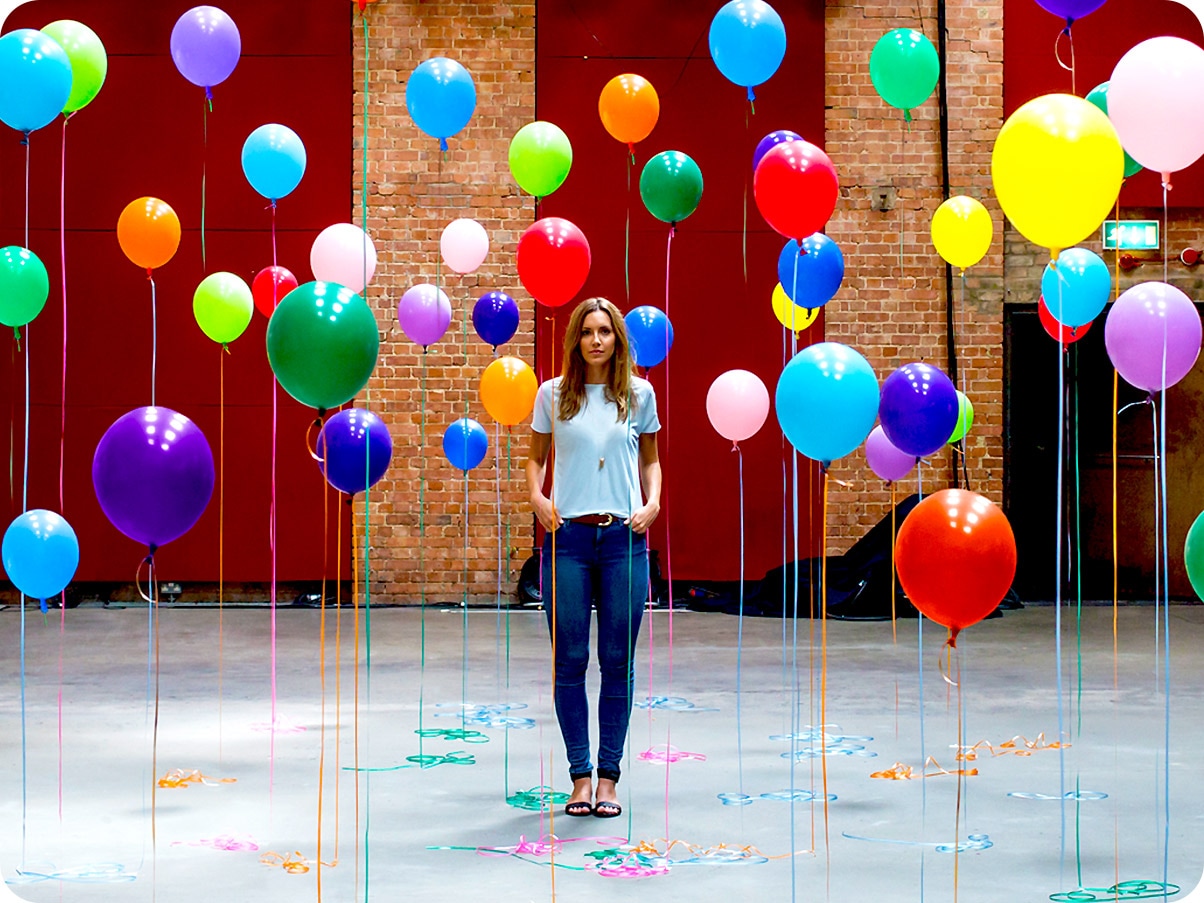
904	68
671	186
40	552
1099	96
827	400
323	342
1193	555
24	285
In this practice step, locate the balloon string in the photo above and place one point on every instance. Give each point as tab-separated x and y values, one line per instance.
740	623
823	668
627	234
367	556
322	675
154	335
1058	56
1166	600
221	538
664	492
338	659
272	550
355	691
25	141
464	609
63	278
422	549
902	208
275	300
1058	589
153	608
204	174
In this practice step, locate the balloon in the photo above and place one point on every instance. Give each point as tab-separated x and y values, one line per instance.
553	260
89	62
441	98
465	443
148	231
1070	9
495	318
795	187
629	108
343	254
1153	335
269	286
40	552
737	405
273	160
1193	555
1077	286
748	42
904	68
322	344
508	390
965	418
1099	96
153	475
205	46
1057	168
886	461
650	334
1066	334
962	231
35	79
772	140
789	314
827	399
464	245
223	305
424	314
24	286
354	450
811	271
671	186
540	158
919	409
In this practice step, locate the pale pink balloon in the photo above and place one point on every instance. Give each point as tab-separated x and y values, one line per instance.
343	253
464	244
737	404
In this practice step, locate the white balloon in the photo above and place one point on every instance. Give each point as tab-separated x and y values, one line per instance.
344	254
464	245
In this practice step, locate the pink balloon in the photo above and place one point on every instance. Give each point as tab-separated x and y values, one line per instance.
344	254
737	404
1153	335
464	244
885	460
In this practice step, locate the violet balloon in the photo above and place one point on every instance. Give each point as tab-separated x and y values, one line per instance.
205	46
355	449
495	318
919	409
886	461
424	314
772	140
1153	335
1070	10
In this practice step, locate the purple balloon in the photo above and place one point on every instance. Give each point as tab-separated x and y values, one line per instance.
153	475
355	449
1153	335
772	140
1070	10
424	314
205	46
919	409
884	459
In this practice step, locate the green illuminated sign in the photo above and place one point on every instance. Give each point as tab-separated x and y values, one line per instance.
1131	235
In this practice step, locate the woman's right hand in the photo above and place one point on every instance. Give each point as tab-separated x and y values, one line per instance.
546	512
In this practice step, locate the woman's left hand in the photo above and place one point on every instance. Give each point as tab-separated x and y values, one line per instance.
643	517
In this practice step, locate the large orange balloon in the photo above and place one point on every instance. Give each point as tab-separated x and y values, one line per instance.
956	557
149	232
508	390
629	108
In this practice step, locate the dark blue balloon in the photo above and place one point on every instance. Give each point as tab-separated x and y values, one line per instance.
465	443
355	449
919	409
772	140
819	273
651	335
495	318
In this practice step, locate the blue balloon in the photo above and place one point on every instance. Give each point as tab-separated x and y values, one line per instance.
273	159
651	335
354	449
812	271
919	409
772	140
748	42
441	98
35	79
826	400
465	443
40	553
495	318
1077	290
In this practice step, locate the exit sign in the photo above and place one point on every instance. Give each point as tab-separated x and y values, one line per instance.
1131	235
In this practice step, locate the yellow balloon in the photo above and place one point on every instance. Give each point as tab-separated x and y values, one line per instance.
1057	168
961	231
789	314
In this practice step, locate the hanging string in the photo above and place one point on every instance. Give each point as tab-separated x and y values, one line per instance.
1166	601
422	551
322	674
205	108
740	623
338	660
1058	592
154	335
627	232
823	679
63	279
272	602
1057	54
902	210
221	535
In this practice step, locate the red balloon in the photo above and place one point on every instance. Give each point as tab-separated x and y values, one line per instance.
270	285
553	260
956	557
796	187
1067	334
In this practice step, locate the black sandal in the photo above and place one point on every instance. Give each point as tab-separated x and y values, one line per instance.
607	809
578	809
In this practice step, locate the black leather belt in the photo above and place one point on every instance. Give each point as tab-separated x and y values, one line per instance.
595	520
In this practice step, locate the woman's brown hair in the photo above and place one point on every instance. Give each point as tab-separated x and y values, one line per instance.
572	377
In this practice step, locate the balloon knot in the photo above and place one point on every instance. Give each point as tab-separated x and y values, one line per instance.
226	347
1166	181
443	145
631	150
362	4
17	336
149	275
752	99
150	553
907	115
952	641
25	138
823	467
42	605
735	446
209	95
1069	22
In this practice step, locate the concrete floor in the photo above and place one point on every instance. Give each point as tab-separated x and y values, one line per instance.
882	839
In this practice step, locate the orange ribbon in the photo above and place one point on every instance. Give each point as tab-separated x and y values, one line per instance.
294	863
1017	746
901	772
177	777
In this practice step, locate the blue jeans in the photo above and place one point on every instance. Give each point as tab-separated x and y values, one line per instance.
607	566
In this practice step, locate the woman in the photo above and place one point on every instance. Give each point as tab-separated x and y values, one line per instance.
602	420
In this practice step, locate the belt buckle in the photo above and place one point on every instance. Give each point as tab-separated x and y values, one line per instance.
610	519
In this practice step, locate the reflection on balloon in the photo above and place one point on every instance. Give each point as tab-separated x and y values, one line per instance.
671	186
770	141
354	450
811	271
441	98
962	231
540	158
1153	335
553	260
1078	286
904	68
269	286
795	187
748	42
629	108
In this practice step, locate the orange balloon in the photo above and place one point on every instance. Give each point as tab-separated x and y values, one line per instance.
508	390
149	232
629	108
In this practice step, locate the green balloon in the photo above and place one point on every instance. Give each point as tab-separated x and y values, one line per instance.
1193	555
965	418
1099	96
671	186
322	344
24	286
89	62
904	68
222	305
540	158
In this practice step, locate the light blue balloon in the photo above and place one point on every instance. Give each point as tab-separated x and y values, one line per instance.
465	443
1077	290
812	278
441	98
748	42
650	333
35	79
40	553
273	159
827	400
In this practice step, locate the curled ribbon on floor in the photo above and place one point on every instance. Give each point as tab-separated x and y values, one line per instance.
1126	890
537	799
784	796
1071	795
223	842
98	873
294	863
901	772
671	704
455	757
664	754
496	715
177	777
453	735
822	742
972	843
281	725
1017	746
546	845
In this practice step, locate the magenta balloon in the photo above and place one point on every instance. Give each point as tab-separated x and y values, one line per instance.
1153	335
884	459
424	314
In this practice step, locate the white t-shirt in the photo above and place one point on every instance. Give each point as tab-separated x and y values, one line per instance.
596	468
